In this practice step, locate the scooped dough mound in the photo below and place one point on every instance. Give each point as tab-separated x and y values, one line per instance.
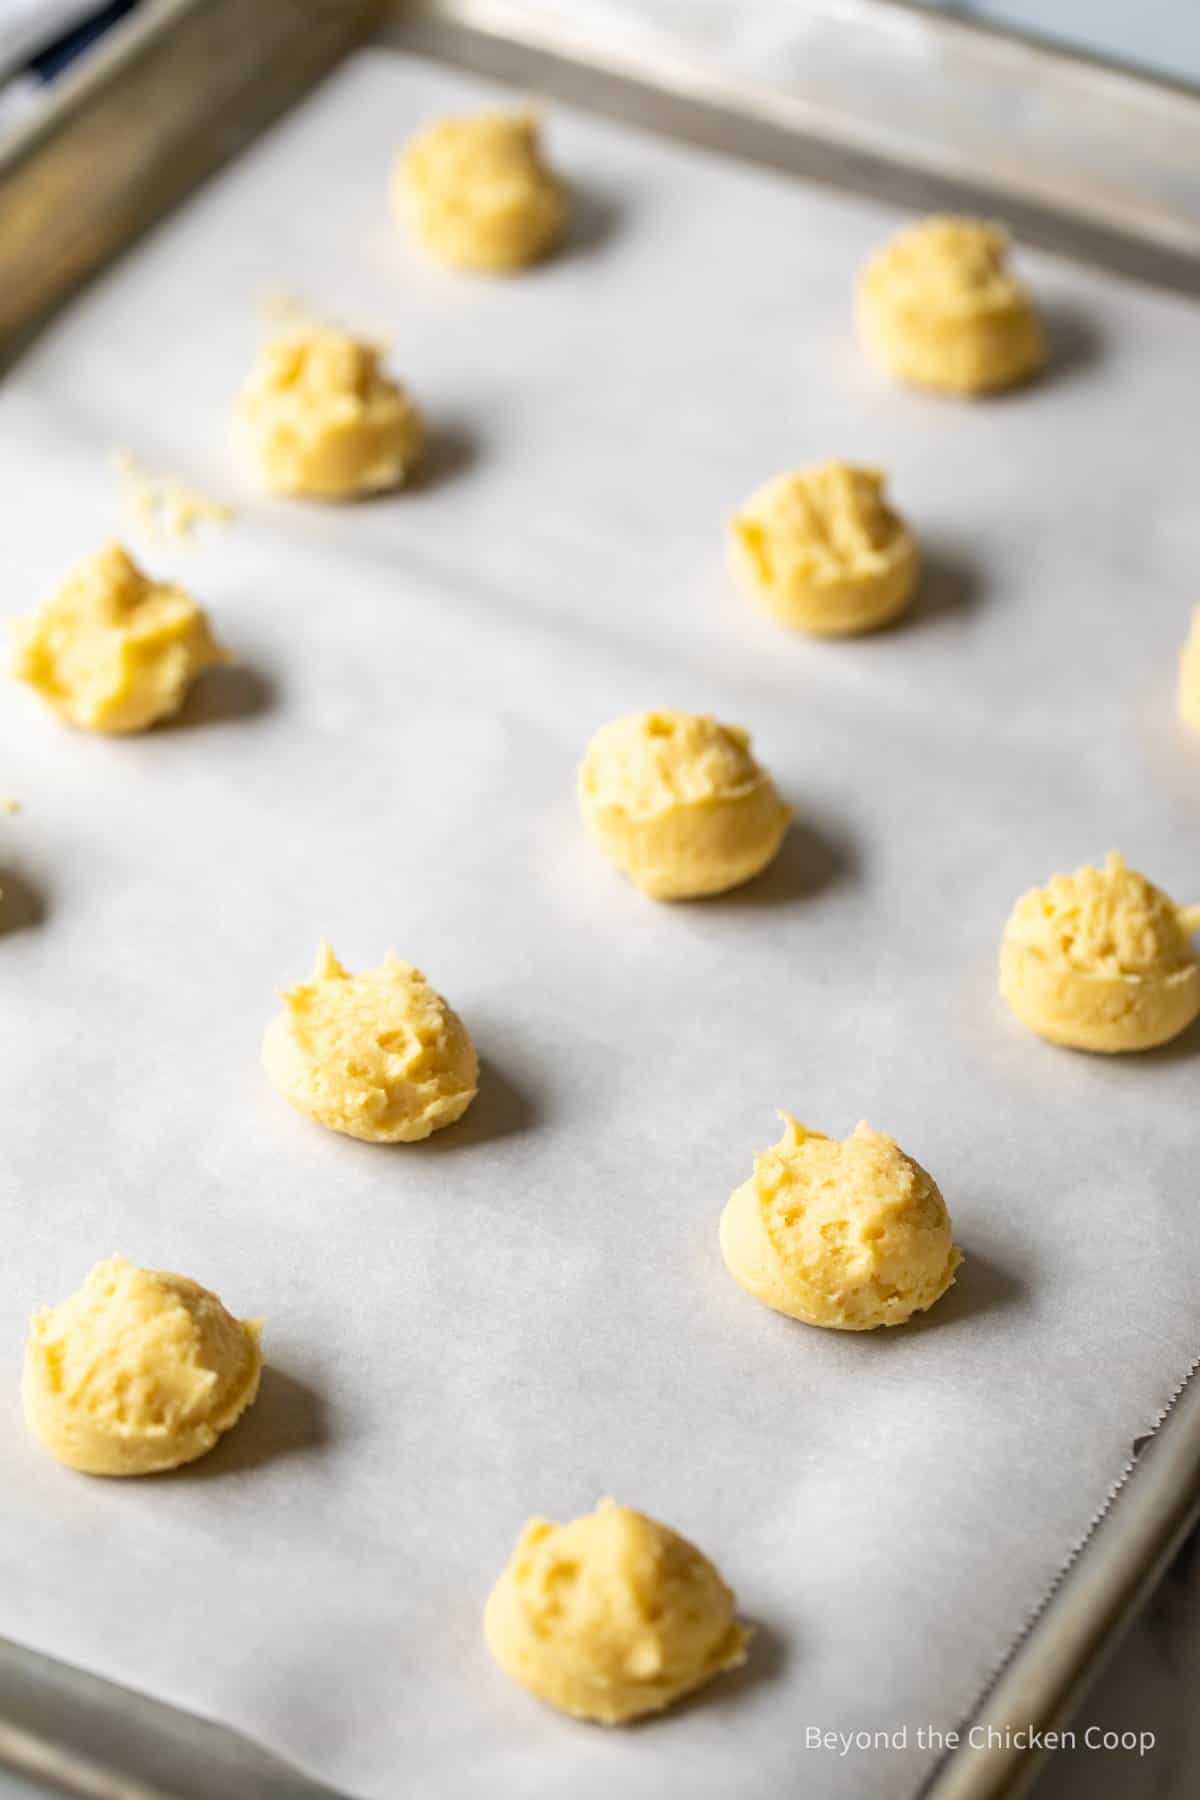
111	650
380	1055
849	1233
677	801
611	1616
138	1372
938	306
1101	960
477	193
822	551
319	418
1189	676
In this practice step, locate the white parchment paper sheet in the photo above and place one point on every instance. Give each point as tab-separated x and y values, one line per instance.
531	1311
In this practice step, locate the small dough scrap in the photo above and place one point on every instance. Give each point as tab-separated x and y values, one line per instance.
379	1056
111	650
138	1372
1189	676
611	1616
319	418
161	505
1101	960
477	193
938	306
847	1233
821	550
678	803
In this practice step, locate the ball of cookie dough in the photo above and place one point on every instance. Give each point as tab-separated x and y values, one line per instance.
138	1372
611	1616
111	650
477	193
379	1056
938	306
849	1233
1189	676
1101	960
822	551
678	803
318	417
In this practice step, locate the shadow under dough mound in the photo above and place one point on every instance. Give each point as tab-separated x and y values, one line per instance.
22	905
809	860
981	1286
498	1110
287	1417
948	587
1073	342
232	691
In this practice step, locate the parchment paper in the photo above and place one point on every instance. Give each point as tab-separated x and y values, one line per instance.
530	1311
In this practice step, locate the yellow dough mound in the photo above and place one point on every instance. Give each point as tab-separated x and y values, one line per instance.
319	418
477	193
849	1233
611	1616
1189	676
678	803
379	1056
1101	960
938	306
138	1372
112	651
821	550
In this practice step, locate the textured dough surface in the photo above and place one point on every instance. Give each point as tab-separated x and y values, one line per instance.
611	1616
318	417
1189	676
821	550
477	193
938	306
379	1056
1101	960
138	1372
111	650
848	1233
677	801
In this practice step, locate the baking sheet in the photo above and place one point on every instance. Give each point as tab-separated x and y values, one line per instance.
530	1311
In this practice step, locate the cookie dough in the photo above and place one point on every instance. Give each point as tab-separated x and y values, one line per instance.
1101	960
138	1372
611	1616
1189	676
379	1056
678	803
319	418
821	550
111	650
848	1233
939	307
477	194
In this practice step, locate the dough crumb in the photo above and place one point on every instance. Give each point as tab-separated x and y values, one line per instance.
678	803
846	1233
1101	960
318	417
611	1616
10	806
110	649
138	1372
938	306
477	193
379	1056
821	551
162	506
